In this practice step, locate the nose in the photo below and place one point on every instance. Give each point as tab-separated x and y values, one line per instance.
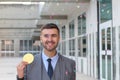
50	38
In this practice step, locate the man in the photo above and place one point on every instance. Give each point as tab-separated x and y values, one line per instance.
48	65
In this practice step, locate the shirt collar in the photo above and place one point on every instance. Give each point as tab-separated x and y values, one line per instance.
46	57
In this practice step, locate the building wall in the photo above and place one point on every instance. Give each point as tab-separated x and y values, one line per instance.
92	38
86	65
116	25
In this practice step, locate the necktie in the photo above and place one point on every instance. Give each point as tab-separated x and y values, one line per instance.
50	69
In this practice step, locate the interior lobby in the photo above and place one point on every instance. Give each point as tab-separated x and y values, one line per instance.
89	30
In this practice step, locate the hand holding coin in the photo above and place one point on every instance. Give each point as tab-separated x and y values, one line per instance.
28	58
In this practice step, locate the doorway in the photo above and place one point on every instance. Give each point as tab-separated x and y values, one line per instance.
106	51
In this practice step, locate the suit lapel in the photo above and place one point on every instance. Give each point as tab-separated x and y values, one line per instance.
59	69
44	75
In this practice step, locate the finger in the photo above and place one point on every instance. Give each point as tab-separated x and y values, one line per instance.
24	63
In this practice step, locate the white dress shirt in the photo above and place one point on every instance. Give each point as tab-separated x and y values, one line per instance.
54	60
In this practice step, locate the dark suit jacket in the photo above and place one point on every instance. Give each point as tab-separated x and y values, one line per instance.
64	70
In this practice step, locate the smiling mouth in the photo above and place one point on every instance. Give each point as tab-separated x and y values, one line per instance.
50	42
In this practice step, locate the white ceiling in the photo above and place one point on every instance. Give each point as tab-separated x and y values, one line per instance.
21	20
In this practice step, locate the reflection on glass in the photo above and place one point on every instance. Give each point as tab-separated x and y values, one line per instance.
79	25
63	33
69	45
21	45
64	47
82	46
72	47
109	67
114	52
108	39
82	24
103	67
73	43
105	10
103	39
28	46
25	45
59	48
7	47
79	46
71	29
3	45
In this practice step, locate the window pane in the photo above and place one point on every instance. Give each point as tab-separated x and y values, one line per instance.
79	24
84	46
108	39
103	39
63	32
63	48
71	29
25	45
109	67
79	46
72	47
30	45
105	10
82	24
21	45
103	67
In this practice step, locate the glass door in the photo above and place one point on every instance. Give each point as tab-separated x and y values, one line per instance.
105	51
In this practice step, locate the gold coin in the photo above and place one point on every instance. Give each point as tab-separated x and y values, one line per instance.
28	58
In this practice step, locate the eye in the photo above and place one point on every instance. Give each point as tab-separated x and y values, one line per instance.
53	35
46	35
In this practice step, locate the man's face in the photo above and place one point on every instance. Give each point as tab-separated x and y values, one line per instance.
49	39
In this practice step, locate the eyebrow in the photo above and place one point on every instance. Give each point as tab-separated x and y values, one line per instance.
53	35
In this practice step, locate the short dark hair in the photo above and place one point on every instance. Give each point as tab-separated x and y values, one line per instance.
50	26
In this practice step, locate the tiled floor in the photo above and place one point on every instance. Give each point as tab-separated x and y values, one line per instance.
8	69
83	77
